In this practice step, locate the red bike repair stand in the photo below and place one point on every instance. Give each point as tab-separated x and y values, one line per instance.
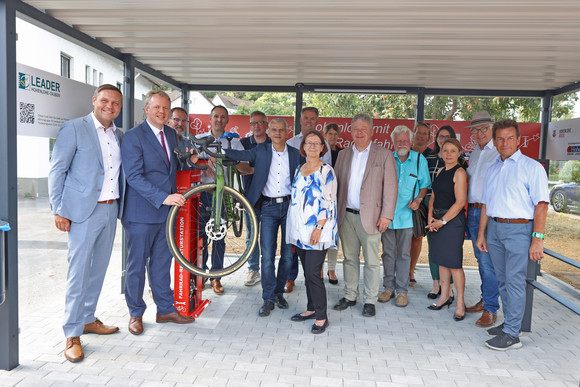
188	287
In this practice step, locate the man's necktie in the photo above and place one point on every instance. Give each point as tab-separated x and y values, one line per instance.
164	147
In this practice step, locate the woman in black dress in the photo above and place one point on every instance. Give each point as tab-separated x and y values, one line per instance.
331	133
446	219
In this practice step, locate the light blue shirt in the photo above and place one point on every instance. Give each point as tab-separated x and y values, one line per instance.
408	176
514	187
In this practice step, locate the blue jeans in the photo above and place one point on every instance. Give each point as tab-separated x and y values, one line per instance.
489	287
273	217
508	245
254	260
293	272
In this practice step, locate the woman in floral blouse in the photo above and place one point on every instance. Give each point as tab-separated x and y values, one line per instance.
311	224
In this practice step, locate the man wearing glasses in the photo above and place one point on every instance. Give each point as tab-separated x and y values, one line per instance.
178	121
258	127
270	190
482	158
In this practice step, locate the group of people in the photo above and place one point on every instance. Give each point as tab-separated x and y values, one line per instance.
313	193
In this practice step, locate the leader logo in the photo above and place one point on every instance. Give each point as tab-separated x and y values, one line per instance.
38	84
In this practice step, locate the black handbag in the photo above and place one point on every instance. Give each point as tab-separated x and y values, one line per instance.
420	214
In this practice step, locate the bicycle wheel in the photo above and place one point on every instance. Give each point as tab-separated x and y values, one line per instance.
237	219
219	247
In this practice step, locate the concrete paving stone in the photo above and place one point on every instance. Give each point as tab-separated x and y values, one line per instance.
179	378
325	381
343	374
168	369
277	370
293	380
62	376
200	371
139	366
93	379
408	380
260	377
123	382
209	356
157	384
304	371
149	375
9	380
249	367
210	381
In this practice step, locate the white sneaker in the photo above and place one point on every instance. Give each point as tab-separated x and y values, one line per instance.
253	278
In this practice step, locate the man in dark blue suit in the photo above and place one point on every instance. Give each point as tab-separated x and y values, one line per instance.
151	167
86	186
270	190
258	125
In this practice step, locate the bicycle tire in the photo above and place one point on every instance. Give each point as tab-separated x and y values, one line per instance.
233	258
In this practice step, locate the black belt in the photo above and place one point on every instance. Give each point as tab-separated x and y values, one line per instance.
281	199
356	212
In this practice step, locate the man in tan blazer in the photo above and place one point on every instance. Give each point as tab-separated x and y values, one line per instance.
367	195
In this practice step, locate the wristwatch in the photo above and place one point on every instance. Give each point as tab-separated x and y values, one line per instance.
319	227
538	235
443	221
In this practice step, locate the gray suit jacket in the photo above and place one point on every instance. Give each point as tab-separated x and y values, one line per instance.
76	170
379	188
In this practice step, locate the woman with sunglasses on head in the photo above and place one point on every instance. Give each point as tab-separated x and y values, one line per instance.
435	162
311	224
446	221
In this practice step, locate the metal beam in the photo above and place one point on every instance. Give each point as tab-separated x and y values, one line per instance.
545	119
420	116
255	88
185	99
298	89
485	93
571	88
128	116
8	184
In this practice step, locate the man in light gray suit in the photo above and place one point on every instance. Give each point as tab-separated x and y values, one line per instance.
365	208
86	186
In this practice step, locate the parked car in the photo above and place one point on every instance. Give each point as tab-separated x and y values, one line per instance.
565	197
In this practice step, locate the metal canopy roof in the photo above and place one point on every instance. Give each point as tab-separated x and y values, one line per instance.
454	44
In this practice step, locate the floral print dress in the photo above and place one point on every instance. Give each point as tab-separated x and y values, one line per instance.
313	199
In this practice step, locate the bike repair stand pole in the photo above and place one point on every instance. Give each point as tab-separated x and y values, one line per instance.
187	287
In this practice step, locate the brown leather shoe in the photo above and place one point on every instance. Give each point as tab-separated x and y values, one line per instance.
217	287
487	319
73	350
477	308
136	325
174	317
289	286
99	328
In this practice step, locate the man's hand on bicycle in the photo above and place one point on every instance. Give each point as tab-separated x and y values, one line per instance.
174	200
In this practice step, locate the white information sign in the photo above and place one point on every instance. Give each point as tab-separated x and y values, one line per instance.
563	140
47	100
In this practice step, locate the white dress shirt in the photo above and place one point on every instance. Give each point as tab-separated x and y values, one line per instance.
111	153
514	187
279	183
157	133
479	162
357	171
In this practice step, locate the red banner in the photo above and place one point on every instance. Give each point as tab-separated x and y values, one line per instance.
530	132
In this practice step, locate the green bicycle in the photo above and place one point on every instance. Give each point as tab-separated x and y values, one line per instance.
219	210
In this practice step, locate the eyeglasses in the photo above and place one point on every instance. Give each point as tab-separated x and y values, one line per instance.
311	144
482	130
177	120
443	137
255	123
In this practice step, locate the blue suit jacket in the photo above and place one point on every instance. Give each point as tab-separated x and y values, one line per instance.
77	172
149	177
261	157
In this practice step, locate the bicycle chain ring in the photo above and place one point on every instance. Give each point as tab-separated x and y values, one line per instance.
216	235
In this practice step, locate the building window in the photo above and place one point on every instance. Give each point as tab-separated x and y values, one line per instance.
95	78
65	65
88	74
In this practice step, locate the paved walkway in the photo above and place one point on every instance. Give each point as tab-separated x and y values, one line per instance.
229	345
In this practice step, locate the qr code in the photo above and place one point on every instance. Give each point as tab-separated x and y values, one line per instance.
26	113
